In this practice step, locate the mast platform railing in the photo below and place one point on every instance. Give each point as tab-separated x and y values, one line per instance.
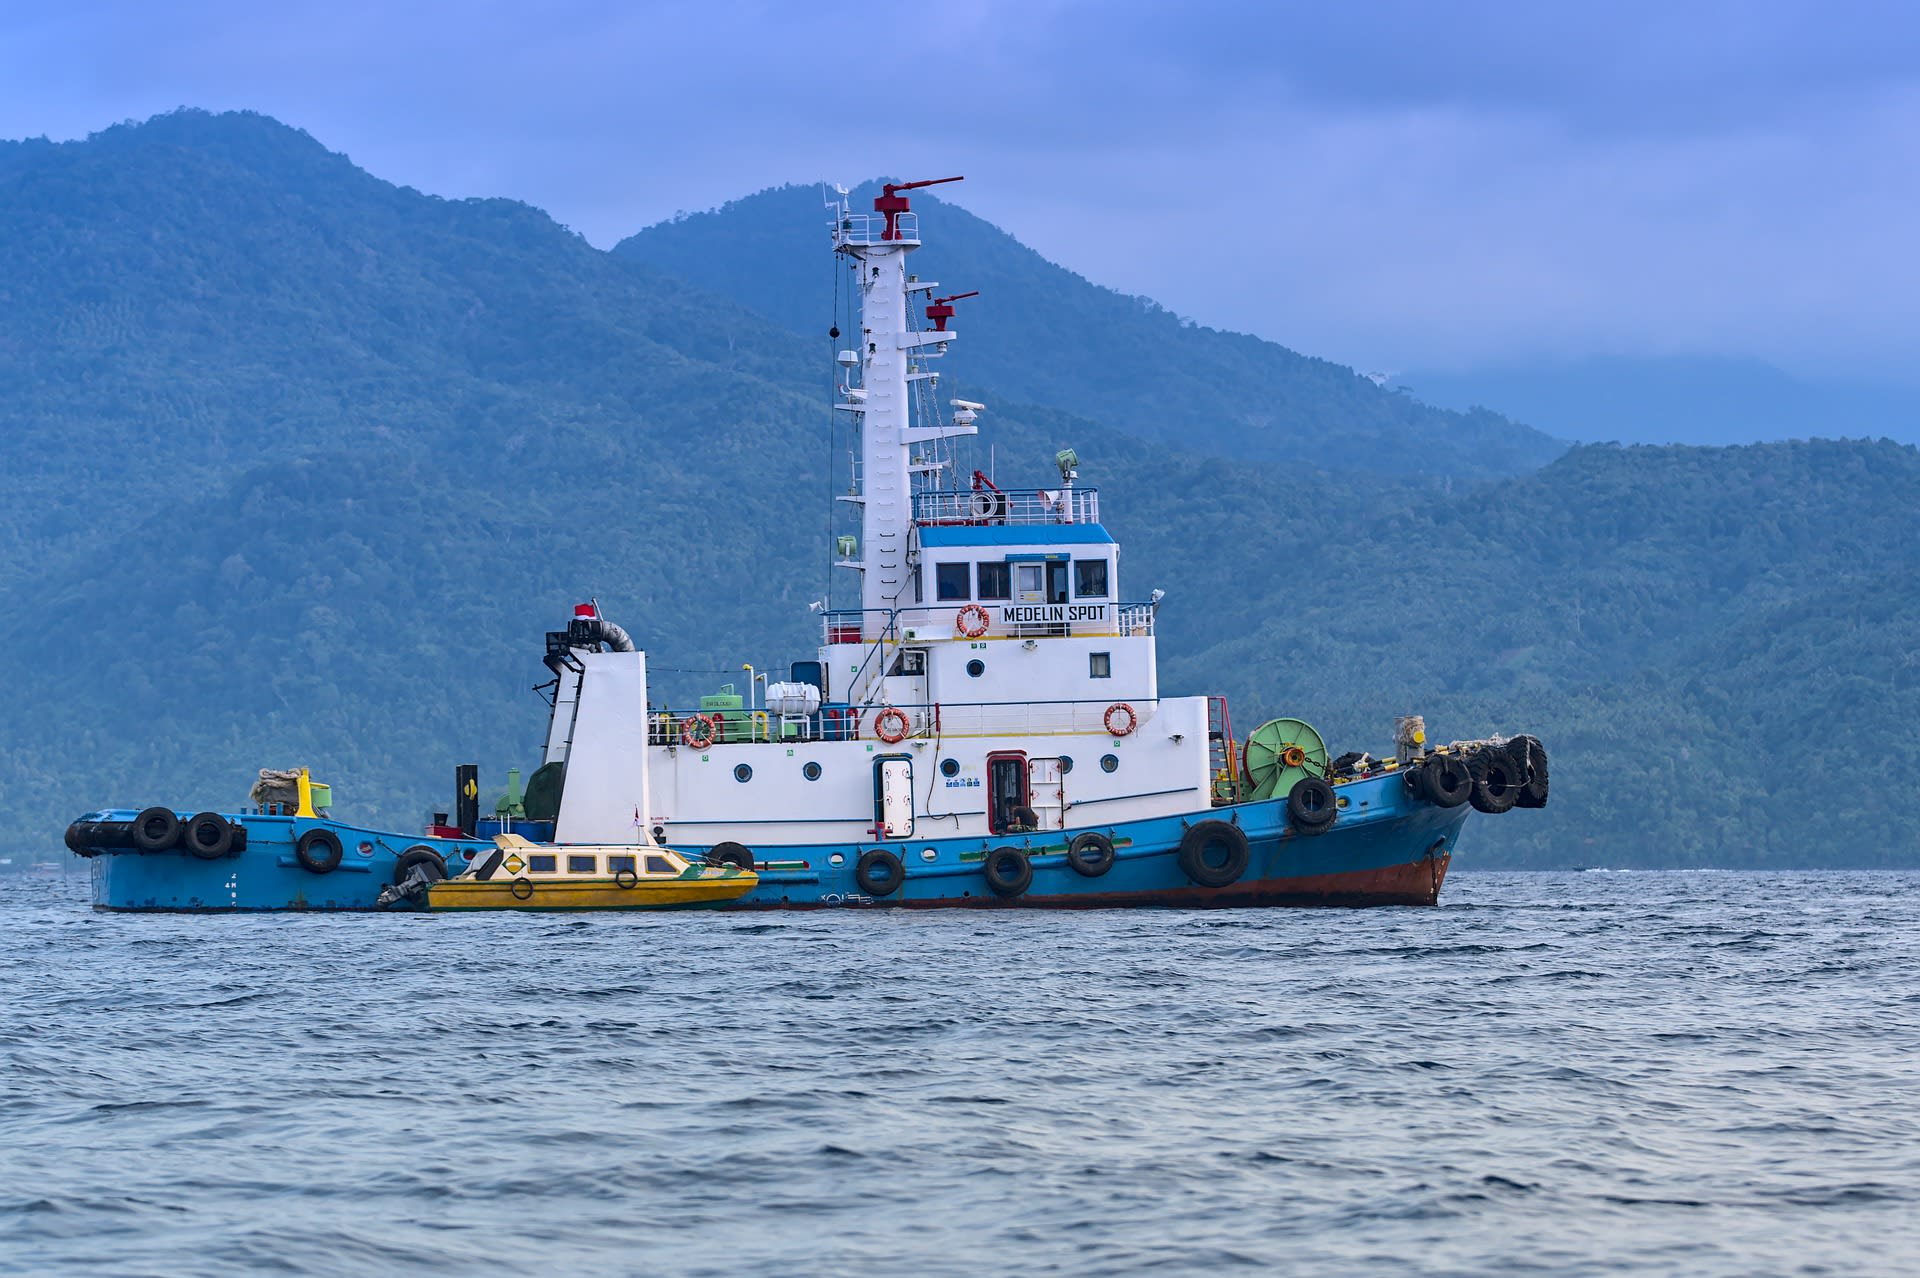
986	507
871	228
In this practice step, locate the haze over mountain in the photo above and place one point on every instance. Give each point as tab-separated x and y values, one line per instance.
1677	401
302	465
1048	336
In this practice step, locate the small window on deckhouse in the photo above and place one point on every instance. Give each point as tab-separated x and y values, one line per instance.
1090	578
1099	665
950	581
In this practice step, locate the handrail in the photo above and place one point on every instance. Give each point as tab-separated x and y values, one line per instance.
925	720
982	507
1128	618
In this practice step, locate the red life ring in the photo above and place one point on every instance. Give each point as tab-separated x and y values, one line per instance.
1130	719
891	715
698	730
974	611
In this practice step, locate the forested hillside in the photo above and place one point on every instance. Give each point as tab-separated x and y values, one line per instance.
1046	336
302	464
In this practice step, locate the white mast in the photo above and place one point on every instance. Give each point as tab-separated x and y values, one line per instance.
878	244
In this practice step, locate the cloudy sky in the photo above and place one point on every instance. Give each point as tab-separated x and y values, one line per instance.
1393	185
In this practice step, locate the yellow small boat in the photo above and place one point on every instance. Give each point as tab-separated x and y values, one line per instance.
519	875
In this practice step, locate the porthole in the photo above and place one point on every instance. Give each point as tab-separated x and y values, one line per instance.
1108	762
810	770
928	854
1066	764
836	859
976	667
949	767
742	773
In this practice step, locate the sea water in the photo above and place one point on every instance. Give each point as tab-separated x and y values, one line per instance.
1699	1073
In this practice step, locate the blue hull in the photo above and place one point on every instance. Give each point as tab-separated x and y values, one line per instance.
1384	849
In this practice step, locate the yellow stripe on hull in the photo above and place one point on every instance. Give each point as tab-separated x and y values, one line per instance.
588	894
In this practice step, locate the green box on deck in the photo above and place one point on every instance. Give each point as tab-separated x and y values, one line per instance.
322	795
726	706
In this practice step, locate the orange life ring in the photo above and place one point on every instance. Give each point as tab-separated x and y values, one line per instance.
891	715
698	730
975	611
1131	720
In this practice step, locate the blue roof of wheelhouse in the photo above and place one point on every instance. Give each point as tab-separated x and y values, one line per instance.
1014	535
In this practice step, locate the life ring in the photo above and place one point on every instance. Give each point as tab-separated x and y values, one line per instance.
1008	871
892	715
879	872
1128	719
1223	838
697	730
978	614
318	851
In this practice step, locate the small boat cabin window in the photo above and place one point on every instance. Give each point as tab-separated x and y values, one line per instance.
950	581
1099	665
616	864
582	864
659	865
996	581
911	661
540	864
1090	578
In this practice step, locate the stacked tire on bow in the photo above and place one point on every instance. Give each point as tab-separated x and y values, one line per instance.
1493	778
207	835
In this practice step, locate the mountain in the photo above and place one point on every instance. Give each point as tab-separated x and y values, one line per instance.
1677	400
303	464
1046	336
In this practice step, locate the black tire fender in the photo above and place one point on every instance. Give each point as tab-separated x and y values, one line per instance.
156	830
318	851
731	854
879	872
1531	758
423	857
522	889
1008	871
1312	805
207	835
1448	781
1496	782
1211	835
1091	853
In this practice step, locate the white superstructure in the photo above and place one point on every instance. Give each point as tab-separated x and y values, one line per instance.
992	677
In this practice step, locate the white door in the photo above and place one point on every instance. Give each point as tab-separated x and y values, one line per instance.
1047	793
895	817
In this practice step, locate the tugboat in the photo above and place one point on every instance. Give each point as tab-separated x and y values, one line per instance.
982	724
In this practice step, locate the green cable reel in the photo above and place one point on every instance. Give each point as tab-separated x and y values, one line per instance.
1279	753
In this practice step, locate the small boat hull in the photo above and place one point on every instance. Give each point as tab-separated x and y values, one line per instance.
588	894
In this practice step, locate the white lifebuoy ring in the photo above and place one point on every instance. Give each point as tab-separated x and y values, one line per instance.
891	715
1128	719
980	616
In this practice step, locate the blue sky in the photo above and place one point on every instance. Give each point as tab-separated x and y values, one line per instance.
1392	185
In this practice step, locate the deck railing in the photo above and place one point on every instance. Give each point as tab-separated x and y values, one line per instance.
698	729
1017	506
1006	619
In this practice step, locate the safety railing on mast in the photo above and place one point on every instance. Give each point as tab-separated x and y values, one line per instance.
1017	506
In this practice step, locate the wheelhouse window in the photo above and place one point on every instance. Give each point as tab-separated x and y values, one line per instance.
1090	578
538	864
950	581
582	864
996	581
